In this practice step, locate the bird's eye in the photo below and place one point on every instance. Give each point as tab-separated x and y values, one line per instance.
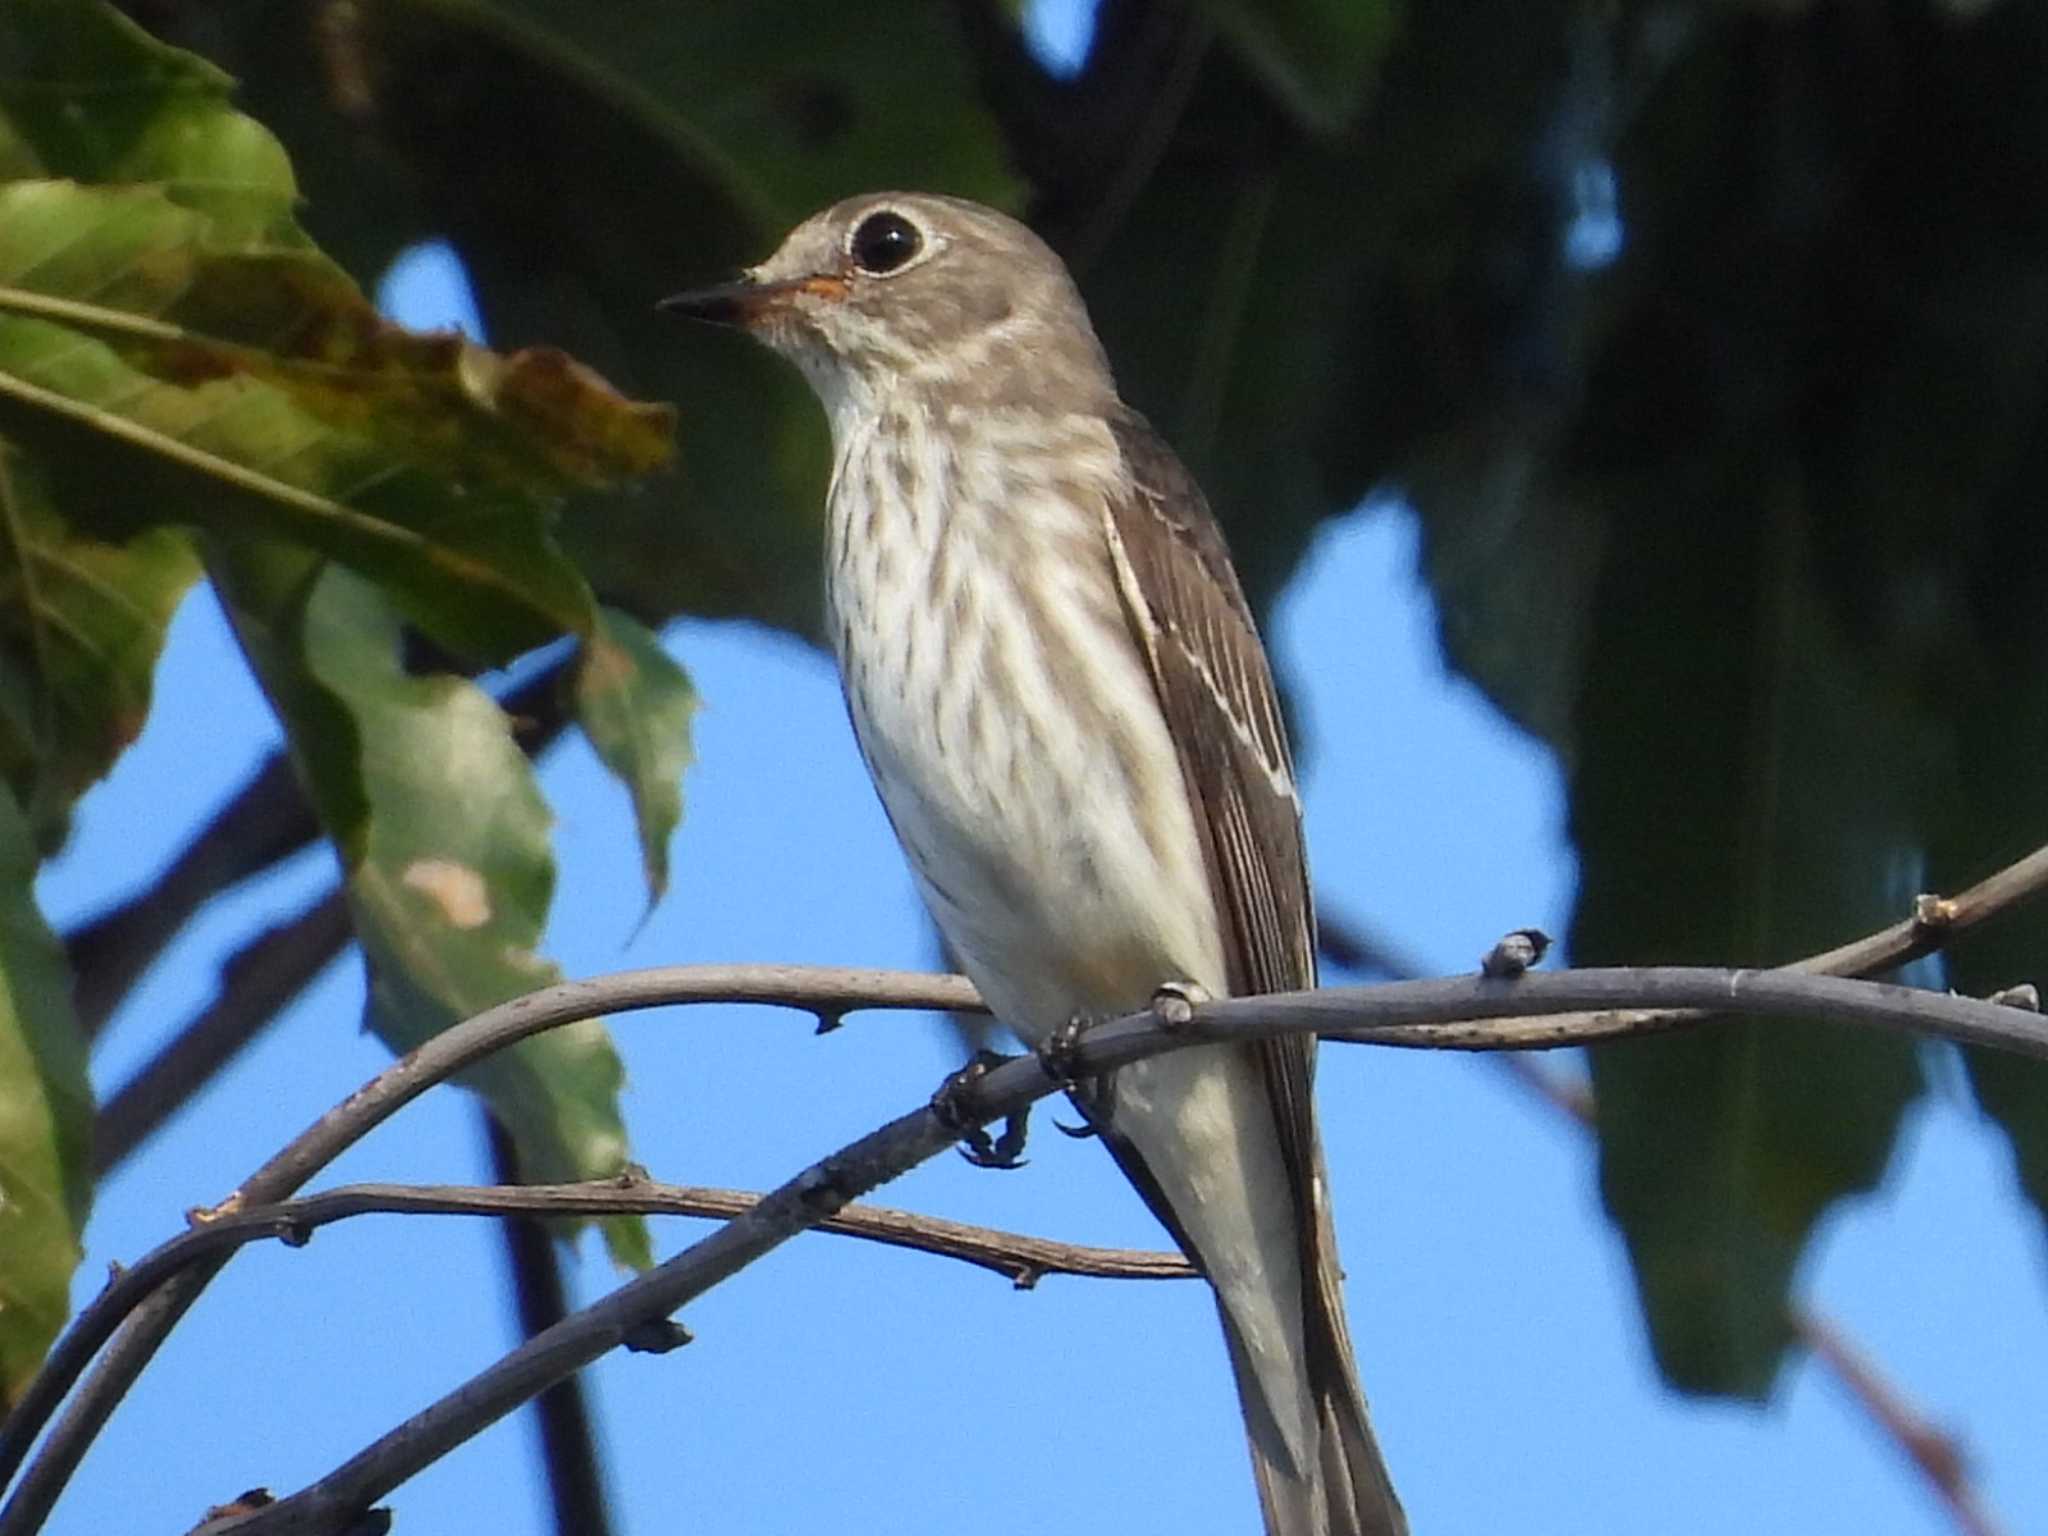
884	242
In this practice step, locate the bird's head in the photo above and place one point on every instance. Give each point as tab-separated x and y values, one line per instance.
898	286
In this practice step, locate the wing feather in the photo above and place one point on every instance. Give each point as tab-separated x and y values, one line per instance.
1188	614
1216	690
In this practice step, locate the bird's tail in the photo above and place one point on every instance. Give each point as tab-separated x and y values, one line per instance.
1271	1256
1348	1492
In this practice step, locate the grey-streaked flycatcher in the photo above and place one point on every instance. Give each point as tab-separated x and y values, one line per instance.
1064	704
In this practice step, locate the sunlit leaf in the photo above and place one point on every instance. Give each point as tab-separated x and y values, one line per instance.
647	163
636	705
82	620
45	1120
168	331
445	842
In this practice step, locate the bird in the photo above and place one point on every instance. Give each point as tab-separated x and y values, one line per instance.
1061	696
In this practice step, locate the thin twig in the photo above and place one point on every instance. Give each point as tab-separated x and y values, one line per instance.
1933	1451
1438	1011
255	983
1935	921
824	991
267	821
1444	1014
829	993
1021	1260
568	1444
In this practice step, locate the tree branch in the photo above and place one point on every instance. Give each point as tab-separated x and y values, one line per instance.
1934	1452
268	820
1020	1259
1566	1009
823	991
1935	921
256	982
1441	1014
575	1477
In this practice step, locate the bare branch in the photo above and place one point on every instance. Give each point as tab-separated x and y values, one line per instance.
267	820
568	1443
823	991
258	979
819	1191
1532	1012
1438	1012
1934	922
1932	1450
1020	1259
1529	1012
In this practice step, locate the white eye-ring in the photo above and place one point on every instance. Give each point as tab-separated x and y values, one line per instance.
886	241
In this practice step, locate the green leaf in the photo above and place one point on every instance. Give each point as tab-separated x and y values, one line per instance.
165	325
424	461
1233	345
1319	56
655	164
445	842
45	1120
636	705
842	99
82	622
1744	794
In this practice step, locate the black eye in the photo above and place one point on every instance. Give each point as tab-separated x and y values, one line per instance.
884	241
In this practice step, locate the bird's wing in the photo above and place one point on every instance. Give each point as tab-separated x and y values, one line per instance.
1215	686
1189	618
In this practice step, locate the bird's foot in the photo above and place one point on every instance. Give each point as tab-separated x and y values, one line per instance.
1056	1053
953	1105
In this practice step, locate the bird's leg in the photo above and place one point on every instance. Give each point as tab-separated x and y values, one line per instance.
1056	1054
1173	1004
1057	1050
950	1104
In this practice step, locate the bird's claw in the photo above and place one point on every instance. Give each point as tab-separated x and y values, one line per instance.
952	1105
1056	1055
1005	1151
1056	1052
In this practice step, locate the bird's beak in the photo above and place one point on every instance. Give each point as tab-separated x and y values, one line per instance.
745	302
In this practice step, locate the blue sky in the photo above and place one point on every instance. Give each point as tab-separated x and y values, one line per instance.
846	1387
